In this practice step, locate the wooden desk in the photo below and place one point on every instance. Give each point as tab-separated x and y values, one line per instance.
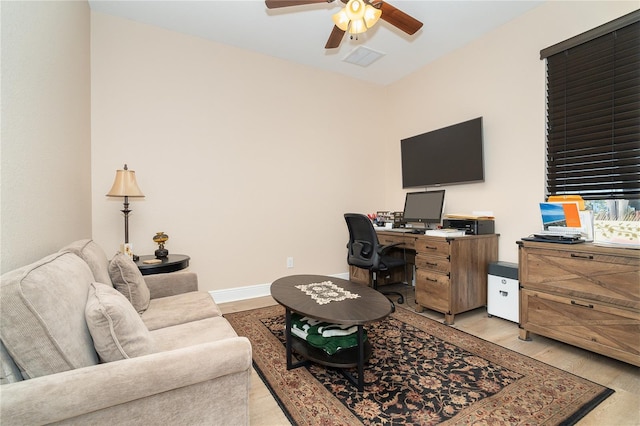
451	272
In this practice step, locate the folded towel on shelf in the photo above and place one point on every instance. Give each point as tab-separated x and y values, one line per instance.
329	337
333	330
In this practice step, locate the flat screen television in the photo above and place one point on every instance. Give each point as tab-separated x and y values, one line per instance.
423	207
450	155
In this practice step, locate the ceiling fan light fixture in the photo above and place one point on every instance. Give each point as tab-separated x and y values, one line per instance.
355	9
357	27
371	15
356	17
341	20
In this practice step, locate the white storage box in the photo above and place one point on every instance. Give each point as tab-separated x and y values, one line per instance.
502	291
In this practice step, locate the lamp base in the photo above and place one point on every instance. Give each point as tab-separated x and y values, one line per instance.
161	253
127	249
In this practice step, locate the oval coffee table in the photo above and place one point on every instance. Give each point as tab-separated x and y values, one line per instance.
331	300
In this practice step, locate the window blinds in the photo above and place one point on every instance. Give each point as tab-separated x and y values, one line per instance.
593	116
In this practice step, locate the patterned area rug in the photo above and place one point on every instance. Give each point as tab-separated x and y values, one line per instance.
422	373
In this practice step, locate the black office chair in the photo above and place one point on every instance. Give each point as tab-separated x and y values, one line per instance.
364	251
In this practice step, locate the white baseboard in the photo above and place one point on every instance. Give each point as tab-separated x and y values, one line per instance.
252	291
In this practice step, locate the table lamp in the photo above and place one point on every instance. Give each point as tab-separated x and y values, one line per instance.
125	185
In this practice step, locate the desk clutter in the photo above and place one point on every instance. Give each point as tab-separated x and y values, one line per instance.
382	218
329	337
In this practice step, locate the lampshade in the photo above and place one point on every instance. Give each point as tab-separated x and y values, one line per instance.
371	15
355	9
125	184
356	17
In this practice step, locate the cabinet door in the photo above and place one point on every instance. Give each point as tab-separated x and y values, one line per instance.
396	275
363	276
359	275
601	328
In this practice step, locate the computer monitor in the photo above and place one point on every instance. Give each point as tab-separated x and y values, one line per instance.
423	208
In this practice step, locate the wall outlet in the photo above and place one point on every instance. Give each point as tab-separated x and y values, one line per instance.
289	262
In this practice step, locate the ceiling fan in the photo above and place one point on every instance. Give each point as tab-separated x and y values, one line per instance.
369	11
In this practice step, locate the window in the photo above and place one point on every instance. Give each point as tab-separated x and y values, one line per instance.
593	113
593	126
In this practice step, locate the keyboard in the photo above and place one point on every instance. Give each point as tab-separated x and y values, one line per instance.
547	238
561	231
402	230
555	239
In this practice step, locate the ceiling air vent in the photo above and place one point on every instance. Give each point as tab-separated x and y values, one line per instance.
363	56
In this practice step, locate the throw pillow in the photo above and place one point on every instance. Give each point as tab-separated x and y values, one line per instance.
116	328
128	280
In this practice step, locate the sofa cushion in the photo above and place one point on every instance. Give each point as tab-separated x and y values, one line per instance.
180	309
95	257
128	280
117	330
192	333
42	322
10	372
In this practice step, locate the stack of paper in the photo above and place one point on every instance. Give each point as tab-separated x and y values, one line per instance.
469	216
447	232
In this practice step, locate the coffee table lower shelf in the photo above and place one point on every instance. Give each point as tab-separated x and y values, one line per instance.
345	358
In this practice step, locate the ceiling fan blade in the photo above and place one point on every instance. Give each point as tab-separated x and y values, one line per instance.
399	19
335	38
274	4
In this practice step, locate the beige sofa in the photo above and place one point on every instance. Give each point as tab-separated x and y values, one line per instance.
74	350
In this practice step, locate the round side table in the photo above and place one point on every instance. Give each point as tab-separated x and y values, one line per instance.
171	263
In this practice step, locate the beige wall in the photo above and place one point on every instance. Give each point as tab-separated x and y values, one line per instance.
247	160
244	159
501	78
46	174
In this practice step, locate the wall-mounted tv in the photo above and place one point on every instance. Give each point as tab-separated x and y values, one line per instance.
445	156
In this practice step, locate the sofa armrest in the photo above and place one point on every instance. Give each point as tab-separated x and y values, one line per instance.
82	393
163	285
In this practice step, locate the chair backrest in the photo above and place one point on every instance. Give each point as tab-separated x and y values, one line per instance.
362	248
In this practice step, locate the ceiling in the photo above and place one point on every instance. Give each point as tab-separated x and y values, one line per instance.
299	33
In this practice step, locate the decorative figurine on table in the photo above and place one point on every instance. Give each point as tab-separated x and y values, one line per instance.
161	238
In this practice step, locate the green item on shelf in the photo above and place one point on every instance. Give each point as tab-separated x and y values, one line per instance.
329	337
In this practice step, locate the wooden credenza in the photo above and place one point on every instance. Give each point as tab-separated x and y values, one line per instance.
583	295
451	272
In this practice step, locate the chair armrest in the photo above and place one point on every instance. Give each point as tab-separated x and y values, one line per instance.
383	249
73	393
170	284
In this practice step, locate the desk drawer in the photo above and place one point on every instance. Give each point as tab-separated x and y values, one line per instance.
601	328
433	246
433	291
576	272
406	241
433	263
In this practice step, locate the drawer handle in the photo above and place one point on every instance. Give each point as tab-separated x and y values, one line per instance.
504	293
431	247
432	280
431	263
582	256
590	306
